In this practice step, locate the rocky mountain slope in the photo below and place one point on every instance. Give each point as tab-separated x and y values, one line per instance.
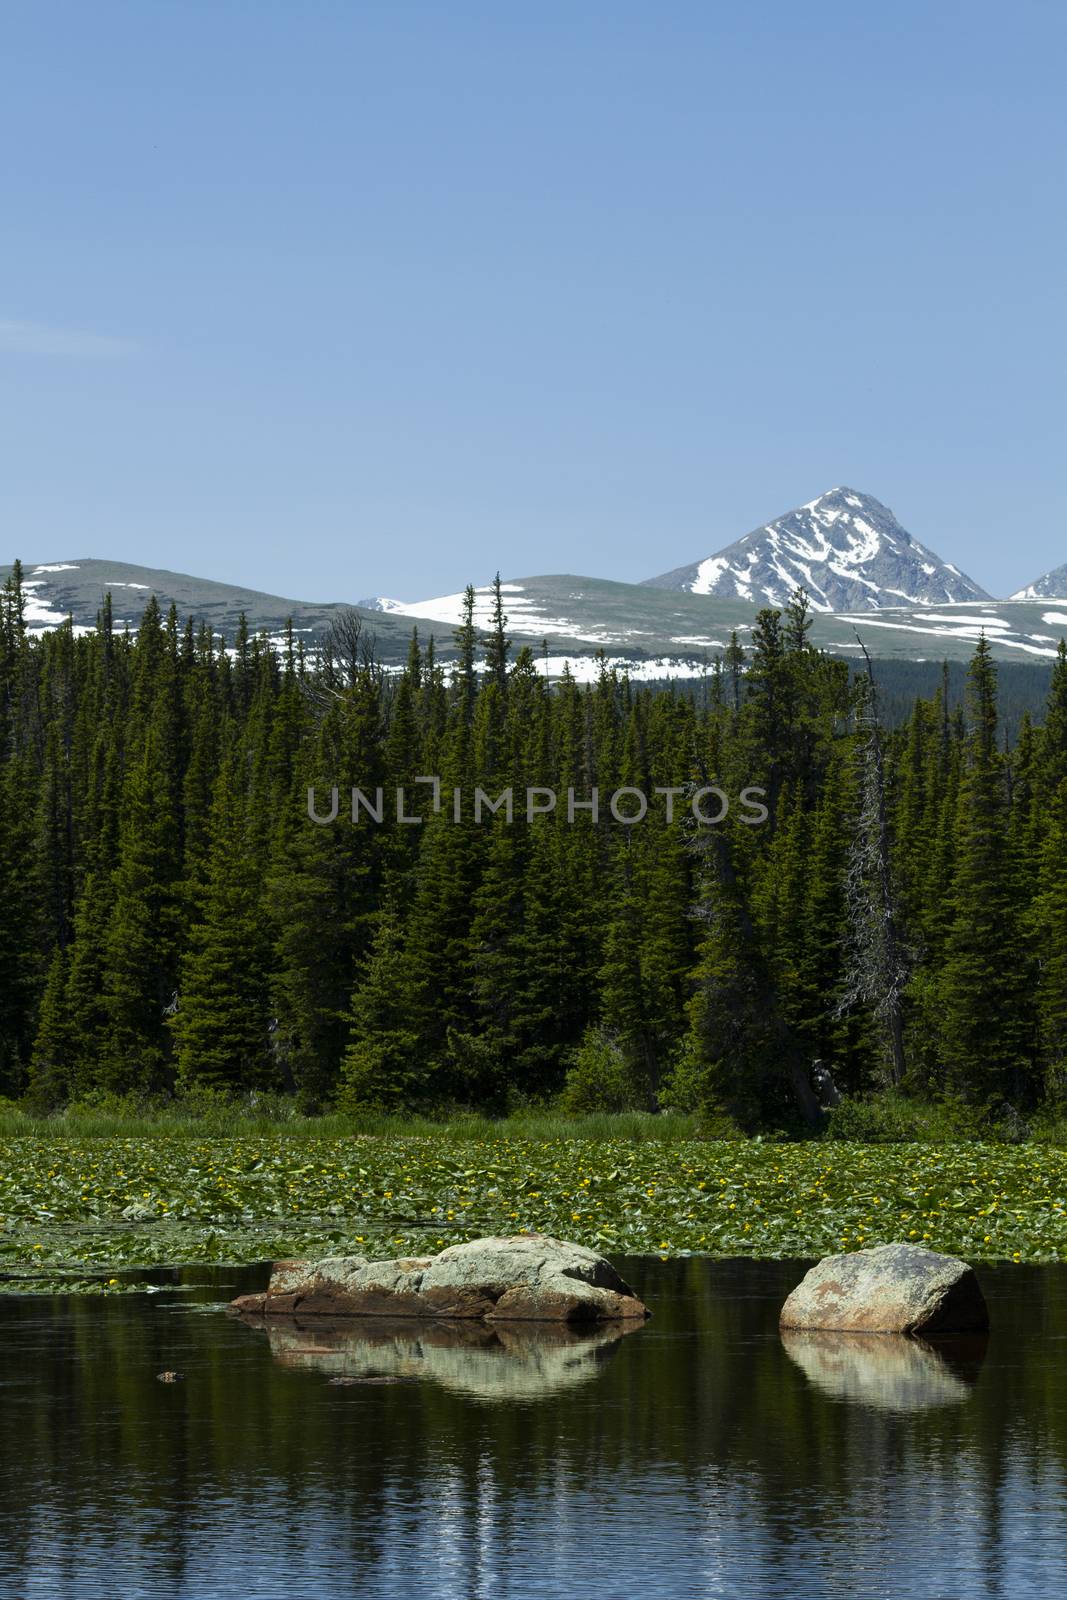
847	550
1053	586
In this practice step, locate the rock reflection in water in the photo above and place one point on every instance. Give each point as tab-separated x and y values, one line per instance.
522	1361
888	1370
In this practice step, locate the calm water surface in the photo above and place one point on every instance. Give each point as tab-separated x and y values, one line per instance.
697	1456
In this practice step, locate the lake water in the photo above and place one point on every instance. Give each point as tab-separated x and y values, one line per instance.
697	1456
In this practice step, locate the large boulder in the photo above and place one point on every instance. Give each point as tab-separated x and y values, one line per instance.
525	1278
895	1288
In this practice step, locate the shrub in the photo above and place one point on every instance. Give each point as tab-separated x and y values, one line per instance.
893	1118
872	1119
602	1078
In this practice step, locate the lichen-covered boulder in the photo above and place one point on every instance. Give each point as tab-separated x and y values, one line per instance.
525	1278
895	1288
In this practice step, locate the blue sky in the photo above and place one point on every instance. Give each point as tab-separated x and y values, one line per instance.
344	299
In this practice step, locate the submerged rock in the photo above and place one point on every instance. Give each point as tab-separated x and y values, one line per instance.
895	1288
525	1278
893	1373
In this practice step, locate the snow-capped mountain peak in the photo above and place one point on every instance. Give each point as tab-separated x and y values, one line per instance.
1053	586
379	602
845	548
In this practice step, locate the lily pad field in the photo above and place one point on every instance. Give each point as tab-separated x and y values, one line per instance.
79	1209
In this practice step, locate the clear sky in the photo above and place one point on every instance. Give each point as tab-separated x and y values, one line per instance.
344	299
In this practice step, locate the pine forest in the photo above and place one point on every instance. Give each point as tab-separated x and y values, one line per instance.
174	922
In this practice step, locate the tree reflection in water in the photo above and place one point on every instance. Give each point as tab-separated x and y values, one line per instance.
700	1455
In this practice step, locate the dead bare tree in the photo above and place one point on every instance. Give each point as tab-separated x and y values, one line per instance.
345	650
876	971
342	649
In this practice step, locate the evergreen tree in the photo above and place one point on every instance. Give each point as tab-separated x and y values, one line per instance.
1050	919
876	970
20	931
497	646
734	667
222	1022
385	1065
987	1023
739	1056
140	967
323	888
50	1064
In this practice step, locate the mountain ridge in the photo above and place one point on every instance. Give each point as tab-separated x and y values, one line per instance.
564	618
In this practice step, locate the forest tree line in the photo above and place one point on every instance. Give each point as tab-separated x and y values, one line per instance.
171	920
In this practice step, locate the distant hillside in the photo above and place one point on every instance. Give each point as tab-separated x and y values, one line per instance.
56	590
677	628
655	632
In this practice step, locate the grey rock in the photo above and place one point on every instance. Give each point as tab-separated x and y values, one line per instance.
524	1278
894	1288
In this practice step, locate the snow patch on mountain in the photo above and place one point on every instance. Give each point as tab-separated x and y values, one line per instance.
846	549
1002	631
587	669
524	614
988	619
708	574
39	613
